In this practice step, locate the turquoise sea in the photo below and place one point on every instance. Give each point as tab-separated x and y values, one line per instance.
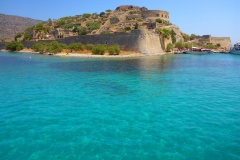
171	107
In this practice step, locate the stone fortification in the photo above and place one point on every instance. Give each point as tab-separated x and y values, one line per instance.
140	41
153	14
225	42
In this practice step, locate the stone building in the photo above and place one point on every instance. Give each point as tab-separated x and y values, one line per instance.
155	14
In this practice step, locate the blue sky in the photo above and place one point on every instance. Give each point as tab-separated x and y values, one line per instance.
215	17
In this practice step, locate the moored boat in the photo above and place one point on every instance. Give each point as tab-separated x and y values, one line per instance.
235	49
196	50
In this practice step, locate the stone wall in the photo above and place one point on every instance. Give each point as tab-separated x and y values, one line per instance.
156	14
140	41
225	42
2	45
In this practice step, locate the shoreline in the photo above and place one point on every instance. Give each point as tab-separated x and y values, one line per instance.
90	55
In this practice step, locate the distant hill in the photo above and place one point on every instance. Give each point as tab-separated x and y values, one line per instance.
10	25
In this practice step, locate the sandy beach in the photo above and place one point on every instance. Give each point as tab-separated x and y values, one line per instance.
90	55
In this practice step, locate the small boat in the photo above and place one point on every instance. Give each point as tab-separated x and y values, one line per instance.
196	50
235	49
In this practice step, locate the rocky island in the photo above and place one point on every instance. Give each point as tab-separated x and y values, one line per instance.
134	29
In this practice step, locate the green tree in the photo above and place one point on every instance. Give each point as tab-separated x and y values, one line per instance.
188	45
116	48
164	32
100	49
89	46
173	34
193	36
169	47
108	10
14	46
111	50
179	45
27	37
82	31
136	26
186	37
54	47
102	14
18	36
76	46
40	47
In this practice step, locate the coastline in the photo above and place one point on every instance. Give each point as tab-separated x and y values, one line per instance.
90	55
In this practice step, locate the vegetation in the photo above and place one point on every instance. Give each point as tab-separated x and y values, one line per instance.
76	46
186	37
159	20
139	20
53	47
19	35
102	14
100	49
193	36
89	47
169	47
40	27
86	15
179	45
164	32
40	47
173	34
14	46
114	49
93	25
105	32
108	10
136	26
127	28
209	46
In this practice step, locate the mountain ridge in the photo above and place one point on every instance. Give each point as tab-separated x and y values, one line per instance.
10	25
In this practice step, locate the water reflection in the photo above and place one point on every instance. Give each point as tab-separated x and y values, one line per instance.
154	63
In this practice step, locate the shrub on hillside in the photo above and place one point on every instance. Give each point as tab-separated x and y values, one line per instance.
111	50
89	47
54	47
100	49
14	46
76	46
127	28
159	20
114	49
40	47
169	47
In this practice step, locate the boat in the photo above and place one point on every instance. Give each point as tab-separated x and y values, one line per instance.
235	49
196	50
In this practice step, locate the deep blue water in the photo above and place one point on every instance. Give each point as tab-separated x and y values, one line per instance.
161	107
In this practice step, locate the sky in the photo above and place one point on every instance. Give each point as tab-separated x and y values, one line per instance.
219	18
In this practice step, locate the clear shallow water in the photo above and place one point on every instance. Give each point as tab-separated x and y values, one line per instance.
168	107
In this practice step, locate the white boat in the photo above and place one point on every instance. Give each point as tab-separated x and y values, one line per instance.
235	49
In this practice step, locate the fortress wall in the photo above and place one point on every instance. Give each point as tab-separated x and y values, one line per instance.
224	41
140	41
2	45
156	14
148	42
